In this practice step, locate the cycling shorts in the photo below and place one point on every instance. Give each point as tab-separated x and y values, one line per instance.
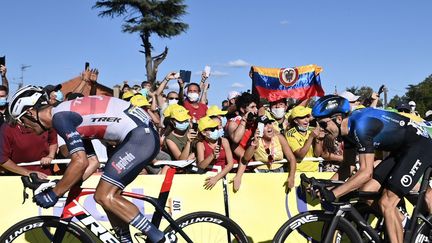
137	150
400	171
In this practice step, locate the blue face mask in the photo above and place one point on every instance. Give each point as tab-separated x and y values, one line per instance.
144	92
59	96
182	126
221	132
3	101
214	135
223	121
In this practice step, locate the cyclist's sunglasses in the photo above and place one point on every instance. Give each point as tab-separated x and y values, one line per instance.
323	124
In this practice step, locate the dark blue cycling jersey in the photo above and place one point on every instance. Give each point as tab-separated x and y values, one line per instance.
373	129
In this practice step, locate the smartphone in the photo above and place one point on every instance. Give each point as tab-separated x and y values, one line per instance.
3	60
381	89
185	76
195	126
86	66
207	70
260	128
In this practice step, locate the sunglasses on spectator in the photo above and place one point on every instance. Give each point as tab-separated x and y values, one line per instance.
270	158
211	129
173	98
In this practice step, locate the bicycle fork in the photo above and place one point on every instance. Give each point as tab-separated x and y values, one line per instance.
363	227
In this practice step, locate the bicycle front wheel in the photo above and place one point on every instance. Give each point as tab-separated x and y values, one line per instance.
209	227
41	229
313	227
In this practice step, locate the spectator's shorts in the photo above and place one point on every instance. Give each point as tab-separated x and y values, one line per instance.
400	171
138	149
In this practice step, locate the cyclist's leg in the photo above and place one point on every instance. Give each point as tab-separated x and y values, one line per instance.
137	150
120	227
410	166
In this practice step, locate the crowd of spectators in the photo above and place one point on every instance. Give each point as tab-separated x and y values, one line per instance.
282	135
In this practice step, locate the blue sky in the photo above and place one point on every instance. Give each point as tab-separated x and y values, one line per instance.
356	42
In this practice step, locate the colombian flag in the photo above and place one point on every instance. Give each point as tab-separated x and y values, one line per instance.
277	83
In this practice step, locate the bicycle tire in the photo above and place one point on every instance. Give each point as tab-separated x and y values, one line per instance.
208	227
311	226
40	229
423	232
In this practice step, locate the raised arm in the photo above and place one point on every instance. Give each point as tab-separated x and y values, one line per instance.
5	81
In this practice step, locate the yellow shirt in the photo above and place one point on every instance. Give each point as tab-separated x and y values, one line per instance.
275	150
296	140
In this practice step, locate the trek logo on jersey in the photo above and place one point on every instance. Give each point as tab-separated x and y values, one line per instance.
106	119
123	162
407	180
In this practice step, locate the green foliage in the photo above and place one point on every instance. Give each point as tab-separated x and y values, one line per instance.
148	17
421	94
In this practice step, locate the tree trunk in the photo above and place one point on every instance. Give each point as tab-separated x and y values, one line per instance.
145	38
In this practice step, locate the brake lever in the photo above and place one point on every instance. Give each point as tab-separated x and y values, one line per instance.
25	195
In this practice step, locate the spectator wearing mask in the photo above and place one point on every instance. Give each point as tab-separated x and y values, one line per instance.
270	147
240	129
279	113
413	105
214	112
196	108
213	150
301	139
54	93
4	91
178	143
172	97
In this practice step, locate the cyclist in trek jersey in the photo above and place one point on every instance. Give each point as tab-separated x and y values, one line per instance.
96	117
370	129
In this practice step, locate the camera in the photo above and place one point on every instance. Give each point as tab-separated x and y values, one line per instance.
251	117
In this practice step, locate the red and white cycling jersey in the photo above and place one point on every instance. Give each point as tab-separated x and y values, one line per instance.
100	117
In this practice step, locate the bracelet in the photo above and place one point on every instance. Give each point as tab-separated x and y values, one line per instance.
165	79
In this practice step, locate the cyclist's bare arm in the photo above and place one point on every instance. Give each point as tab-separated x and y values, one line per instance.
363	175
92	167
73	173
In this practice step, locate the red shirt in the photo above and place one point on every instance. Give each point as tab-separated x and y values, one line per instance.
21	145
220	160
198	112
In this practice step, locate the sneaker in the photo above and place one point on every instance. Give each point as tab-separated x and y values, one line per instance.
169	238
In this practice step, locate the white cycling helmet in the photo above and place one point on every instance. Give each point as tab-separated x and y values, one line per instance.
26	98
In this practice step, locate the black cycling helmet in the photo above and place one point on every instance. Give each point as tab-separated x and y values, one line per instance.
330	105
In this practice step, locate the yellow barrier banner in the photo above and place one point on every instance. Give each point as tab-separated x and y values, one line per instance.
260	207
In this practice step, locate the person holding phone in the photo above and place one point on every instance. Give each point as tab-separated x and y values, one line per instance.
213	150
178	143
192	103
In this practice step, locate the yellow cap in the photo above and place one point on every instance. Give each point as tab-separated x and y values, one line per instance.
127	94
179	113
215	111
206	122
139	100
300	111
167	111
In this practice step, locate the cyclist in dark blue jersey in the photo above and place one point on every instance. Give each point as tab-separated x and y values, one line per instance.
365	131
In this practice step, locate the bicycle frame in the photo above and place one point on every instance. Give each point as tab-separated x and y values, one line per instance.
73	209
347	208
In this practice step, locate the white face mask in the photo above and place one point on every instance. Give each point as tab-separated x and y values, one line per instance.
302	129
193	97
171	102
278	112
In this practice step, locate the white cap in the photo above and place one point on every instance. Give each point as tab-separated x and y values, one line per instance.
349	96
428	113
411	103
233	94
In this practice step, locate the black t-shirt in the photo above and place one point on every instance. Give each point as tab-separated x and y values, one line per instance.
3	116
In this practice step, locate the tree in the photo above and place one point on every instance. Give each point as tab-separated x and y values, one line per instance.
148	17
421	94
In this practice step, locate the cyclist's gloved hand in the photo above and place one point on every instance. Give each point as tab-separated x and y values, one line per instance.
327	195
46	198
